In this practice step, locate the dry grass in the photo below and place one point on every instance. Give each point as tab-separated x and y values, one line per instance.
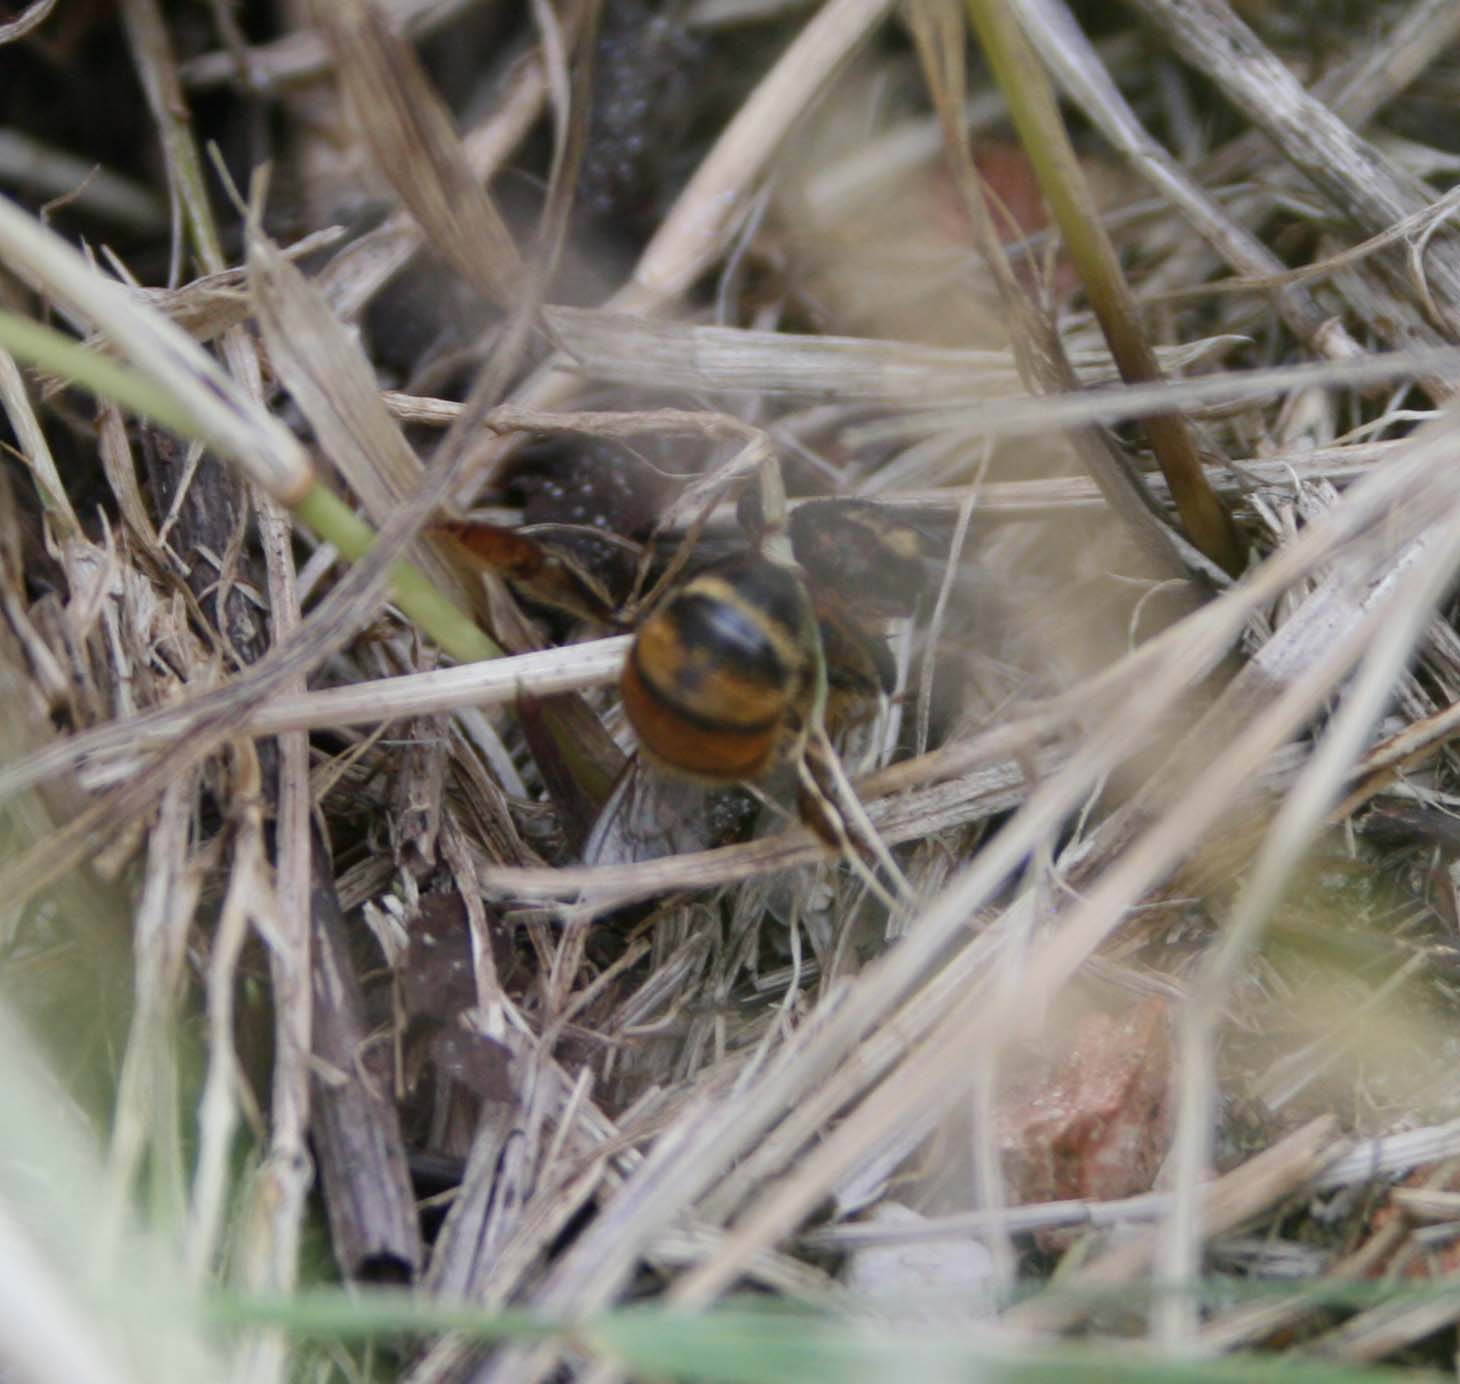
301	944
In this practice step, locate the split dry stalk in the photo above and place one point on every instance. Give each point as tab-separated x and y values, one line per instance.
352	278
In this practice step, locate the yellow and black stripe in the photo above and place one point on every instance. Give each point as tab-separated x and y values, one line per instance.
717	671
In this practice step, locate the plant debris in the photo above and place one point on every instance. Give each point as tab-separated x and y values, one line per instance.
1040	455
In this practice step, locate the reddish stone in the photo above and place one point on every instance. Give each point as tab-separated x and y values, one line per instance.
1094	1123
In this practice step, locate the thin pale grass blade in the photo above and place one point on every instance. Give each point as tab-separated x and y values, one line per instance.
1030	415
321	366
119	464
700	225
156	65
493	682
1365	1159
33	447
111	197
34	15
982	792
637	350
220	412
303	53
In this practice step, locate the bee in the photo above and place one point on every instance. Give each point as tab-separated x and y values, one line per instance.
536	563
719	677
722	678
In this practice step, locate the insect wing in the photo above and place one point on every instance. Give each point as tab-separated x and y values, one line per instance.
651	815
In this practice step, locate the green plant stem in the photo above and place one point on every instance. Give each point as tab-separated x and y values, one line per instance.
1035	113
769	1343
64	356
452	628
157	68
36	344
